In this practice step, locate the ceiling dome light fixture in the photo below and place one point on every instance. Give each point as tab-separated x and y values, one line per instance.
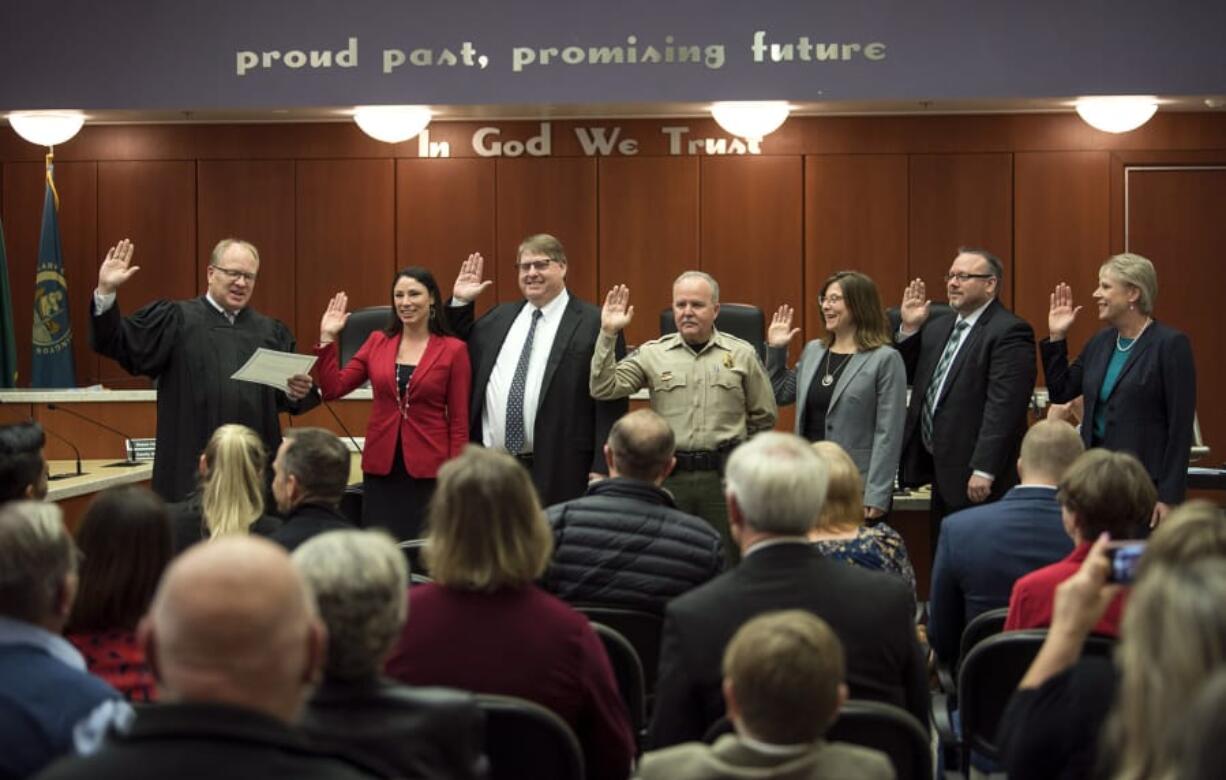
392	124
1117	114
750	119
47	128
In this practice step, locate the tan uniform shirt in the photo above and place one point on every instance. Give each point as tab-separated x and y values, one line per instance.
719	395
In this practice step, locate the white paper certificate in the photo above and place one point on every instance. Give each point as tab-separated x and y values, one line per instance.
273	368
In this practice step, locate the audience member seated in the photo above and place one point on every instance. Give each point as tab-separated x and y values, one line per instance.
238	646
841	532
230	497
44	688
1102	492
1173	637
625	543
360	581
483	626
782	687
310	473
23	470
775	486
983	550
125	542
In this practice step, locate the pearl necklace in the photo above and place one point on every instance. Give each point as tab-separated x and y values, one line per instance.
1119	347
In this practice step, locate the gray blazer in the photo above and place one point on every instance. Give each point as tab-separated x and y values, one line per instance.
867	412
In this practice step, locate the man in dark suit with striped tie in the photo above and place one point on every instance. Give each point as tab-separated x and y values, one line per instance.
971	373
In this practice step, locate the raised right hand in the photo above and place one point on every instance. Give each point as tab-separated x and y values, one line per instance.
116	267
781	331
617	311
914	308
469	284
1062	313
334	319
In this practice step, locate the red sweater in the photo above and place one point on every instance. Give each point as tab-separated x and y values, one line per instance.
519	642
1030	604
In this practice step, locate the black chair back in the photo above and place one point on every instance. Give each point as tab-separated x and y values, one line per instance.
983	625
875	725
989	675
524	739
351	505
889	729
628	670
641	628
740	319
358	327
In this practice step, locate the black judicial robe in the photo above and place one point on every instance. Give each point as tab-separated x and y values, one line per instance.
191	349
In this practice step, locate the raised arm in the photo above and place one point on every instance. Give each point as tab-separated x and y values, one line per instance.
611	378
778	335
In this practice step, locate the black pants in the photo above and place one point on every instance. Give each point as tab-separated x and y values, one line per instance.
396	502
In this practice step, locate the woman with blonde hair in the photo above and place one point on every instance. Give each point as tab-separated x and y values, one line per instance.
484	626
841	532
230	497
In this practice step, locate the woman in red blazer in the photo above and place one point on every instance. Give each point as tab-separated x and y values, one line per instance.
420	378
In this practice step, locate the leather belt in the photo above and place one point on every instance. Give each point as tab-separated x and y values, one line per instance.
699	460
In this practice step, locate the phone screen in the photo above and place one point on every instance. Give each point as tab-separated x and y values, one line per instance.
1124	559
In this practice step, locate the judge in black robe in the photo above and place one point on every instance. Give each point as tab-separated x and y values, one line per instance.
191	348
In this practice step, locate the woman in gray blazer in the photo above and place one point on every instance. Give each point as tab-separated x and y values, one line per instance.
851	386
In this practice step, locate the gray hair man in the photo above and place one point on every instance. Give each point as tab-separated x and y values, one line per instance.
46	690
776	486
360	581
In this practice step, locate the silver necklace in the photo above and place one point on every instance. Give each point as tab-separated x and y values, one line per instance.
828	375
1135	339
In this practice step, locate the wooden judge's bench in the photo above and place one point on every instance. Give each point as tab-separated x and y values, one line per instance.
98	421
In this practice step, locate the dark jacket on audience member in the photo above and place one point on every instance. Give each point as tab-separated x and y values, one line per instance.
44	692
982	551
871	612
625	544
187	523
307	520
417	732
189	741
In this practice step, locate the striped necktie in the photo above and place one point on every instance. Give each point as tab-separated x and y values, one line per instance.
938	376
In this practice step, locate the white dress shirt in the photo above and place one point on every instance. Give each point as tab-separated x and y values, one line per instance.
494	416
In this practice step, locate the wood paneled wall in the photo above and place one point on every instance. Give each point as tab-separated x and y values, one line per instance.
893	196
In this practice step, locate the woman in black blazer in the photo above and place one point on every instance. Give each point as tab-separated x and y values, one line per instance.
1136	376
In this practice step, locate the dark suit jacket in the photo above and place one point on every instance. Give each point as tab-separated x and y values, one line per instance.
571	427
871	612
982	551
418	732
432	432
981	415
190	741
1150	410
307	520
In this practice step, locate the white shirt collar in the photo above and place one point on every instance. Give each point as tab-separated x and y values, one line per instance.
229	314
554	307
974	316
771	749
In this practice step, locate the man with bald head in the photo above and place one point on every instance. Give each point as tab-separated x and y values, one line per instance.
236	645
625	543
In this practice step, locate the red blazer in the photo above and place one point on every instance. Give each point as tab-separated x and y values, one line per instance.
436	427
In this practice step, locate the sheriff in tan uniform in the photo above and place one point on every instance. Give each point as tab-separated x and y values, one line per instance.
709	385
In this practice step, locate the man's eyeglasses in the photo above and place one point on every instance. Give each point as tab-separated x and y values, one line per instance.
232	274
825	299
532	265
965	277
